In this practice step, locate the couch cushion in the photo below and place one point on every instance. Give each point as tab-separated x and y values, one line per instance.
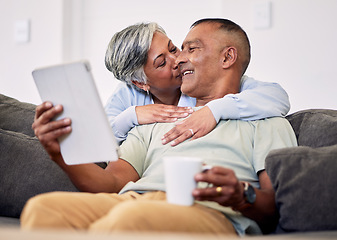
16	116
305	183
26	170
315	127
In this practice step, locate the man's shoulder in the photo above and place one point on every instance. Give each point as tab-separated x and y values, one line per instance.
151	129
273	122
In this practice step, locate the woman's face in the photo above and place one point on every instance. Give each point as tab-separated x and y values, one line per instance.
162	72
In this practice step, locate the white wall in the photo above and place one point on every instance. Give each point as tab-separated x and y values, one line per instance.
45	47
298	51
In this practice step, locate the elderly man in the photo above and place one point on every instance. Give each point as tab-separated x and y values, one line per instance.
240	197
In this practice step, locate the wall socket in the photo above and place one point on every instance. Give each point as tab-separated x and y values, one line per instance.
22	31
262	14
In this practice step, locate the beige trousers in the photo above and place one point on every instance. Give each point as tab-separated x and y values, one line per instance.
126	212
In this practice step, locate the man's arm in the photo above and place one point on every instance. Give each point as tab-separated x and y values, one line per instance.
263	211
86	177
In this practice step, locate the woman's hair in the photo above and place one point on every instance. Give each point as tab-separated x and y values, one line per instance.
127	52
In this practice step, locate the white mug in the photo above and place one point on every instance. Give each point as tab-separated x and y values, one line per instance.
179	178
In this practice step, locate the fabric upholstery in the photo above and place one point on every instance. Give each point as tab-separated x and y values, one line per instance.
26	170
304	177
305	182
315	127
16	116
25	167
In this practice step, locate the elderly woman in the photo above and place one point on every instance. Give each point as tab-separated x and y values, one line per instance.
144	58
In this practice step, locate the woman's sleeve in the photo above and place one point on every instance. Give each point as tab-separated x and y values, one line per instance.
121	113
256	100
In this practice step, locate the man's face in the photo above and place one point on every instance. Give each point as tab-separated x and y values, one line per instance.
200	60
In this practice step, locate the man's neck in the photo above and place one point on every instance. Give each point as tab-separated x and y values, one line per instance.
220	90
168	99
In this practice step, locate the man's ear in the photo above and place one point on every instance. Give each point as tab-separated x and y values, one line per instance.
141	85
229	57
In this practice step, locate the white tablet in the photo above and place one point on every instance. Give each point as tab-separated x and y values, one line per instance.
72	86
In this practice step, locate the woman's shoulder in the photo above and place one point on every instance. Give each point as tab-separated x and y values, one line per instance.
186	101
127	93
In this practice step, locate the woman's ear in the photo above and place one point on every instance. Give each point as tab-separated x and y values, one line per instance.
141	85
229	57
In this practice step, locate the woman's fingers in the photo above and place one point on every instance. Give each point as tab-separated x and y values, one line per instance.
197	125
160	113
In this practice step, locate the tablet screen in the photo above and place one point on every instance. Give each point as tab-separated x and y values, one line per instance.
73	86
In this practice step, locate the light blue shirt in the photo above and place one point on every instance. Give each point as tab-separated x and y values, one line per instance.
256	100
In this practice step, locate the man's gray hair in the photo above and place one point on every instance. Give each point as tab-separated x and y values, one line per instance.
127	51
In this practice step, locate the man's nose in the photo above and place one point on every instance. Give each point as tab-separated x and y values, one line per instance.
174	60
180	59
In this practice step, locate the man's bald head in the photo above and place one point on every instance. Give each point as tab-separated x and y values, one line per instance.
235	36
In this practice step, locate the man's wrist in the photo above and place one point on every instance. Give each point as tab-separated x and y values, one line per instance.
248	198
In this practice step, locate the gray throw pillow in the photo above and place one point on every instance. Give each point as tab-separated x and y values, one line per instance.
305	183
315	127
16	116
25	171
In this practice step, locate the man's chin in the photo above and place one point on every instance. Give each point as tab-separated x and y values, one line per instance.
186	90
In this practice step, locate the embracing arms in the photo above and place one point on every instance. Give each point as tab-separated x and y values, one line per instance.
256	100
128	107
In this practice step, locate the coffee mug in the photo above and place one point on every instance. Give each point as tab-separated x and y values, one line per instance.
179	178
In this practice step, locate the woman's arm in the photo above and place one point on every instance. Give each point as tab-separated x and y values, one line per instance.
128	107
257	100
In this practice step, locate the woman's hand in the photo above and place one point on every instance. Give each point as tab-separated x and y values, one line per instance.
197	125
161	113
226	190
47	131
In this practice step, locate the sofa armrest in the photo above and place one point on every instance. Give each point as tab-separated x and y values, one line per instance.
305	183
25	171
16	116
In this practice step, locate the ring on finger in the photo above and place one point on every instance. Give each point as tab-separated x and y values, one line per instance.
191	130
219	191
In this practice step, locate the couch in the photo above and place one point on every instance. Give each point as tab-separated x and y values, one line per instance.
303	177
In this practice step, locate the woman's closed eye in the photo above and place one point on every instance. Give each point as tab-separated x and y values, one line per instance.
162	63
173	49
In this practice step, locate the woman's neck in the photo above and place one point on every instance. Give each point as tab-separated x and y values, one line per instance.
167	98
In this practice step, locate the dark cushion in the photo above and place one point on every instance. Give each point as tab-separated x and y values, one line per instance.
16	116
315	127
25	171
305	183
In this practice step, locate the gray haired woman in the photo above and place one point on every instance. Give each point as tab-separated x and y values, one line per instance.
144	59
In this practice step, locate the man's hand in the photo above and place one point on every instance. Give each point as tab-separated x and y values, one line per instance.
161	113
230	192
197	125
47	131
